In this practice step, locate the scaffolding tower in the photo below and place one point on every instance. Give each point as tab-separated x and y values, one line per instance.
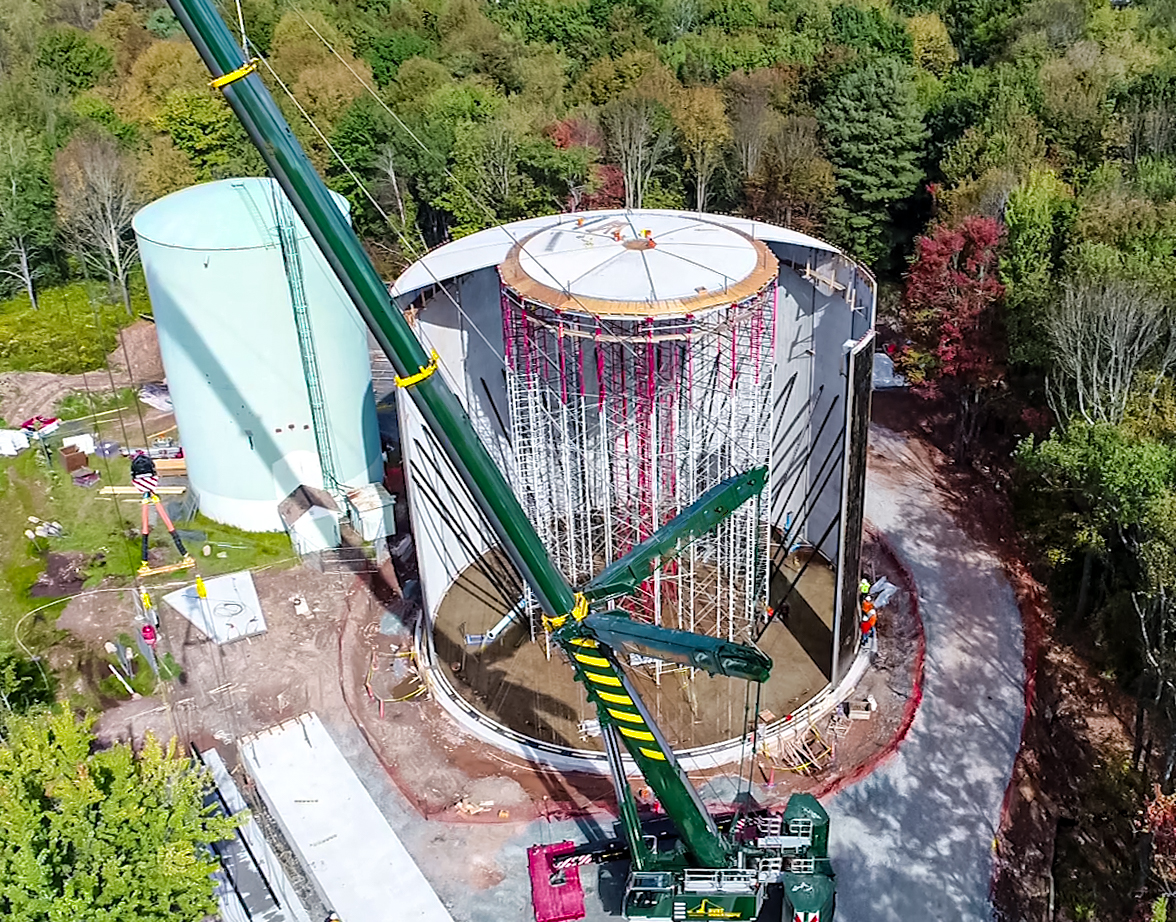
620	421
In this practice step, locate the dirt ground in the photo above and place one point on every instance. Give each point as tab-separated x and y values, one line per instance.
135	361
515	682
324	661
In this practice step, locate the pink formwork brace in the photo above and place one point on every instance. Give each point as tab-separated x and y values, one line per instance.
554	902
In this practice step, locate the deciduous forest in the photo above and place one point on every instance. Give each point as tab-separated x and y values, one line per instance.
1006	167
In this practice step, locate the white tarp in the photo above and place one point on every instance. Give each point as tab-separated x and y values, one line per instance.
13	442
884	374
83	443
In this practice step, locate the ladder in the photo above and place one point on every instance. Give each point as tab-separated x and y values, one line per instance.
292	260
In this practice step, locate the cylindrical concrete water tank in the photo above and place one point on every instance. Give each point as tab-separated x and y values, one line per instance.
227	334
617	364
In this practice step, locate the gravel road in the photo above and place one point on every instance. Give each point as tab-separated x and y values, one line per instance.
913	840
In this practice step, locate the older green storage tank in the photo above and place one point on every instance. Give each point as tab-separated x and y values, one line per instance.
229	343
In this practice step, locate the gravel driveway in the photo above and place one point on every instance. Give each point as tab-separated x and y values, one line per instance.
913	840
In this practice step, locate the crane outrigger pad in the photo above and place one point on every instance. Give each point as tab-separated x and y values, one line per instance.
554	902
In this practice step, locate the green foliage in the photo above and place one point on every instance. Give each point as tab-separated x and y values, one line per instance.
80	405
73	330
874	135
978	27
205	129
74	59
101	836
385	53
1112	478
162	23
94	108
869	30
1038	217
24	683
27	221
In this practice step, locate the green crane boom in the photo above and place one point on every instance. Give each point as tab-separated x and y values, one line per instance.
267	129
584	636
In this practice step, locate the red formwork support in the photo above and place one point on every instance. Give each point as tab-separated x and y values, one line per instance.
554	902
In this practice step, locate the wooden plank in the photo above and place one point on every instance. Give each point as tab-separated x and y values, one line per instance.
131	491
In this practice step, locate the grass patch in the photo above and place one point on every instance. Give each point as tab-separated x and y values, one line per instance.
101	527
80	405
73	329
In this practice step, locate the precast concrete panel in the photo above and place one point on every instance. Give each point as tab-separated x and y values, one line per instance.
229	345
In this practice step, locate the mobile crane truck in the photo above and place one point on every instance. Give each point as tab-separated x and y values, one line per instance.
708	873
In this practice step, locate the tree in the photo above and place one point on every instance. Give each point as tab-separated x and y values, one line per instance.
74	59
24	684
1159	825
163	69
1103	331
870	30
640	134
950	312
97	198
874	135
21	25
101	836
164	168
794	182
1037	216
704	131
932	47
120	29
753	120
26	209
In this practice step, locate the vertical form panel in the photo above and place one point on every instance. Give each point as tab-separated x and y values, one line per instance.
859	386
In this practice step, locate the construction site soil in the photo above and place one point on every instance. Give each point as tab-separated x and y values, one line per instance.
327	659
528	686
136	360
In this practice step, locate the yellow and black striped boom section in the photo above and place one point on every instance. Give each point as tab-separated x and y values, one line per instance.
619	706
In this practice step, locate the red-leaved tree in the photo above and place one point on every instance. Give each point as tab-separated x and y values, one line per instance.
951	312
1158	824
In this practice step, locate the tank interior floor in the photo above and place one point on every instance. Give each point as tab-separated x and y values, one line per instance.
517	683
801	589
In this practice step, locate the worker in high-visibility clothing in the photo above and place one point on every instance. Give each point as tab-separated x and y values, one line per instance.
869	624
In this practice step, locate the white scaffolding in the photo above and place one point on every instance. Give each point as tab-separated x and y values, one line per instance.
619	422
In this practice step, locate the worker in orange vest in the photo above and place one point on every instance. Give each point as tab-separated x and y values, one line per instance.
869	622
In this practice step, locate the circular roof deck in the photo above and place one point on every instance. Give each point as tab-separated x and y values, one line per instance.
638	264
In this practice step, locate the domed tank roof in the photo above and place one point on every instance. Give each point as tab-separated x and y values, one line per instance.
229	214
638	263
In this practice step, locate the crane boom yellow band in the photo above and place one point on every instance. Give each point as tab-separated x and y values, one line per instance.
420	376
243	71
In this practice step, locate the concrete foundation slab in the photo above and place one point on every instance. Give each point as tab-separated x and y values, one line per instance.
231	610
358	864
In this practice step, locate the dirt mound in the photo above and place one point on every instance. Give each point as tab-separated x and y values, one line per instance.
27	393
139	349
64	575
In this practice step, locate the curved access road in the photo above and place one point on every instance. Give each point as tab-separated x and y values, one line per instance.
913	840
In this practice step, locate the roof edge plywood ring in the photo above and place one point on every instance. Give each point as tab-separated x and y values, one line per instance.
516	278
